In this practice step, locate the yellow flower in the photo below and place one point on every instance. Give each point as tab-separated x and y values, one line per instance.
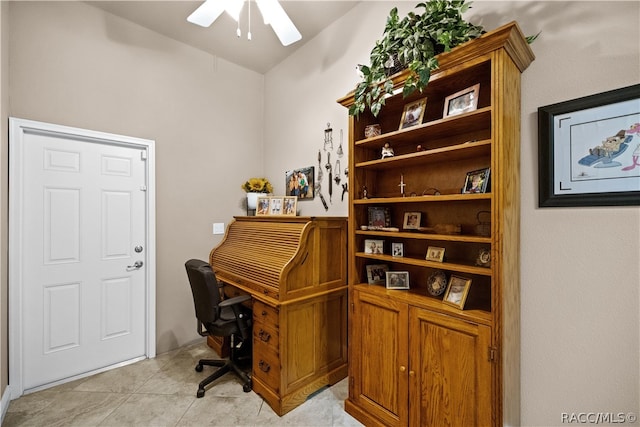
257	185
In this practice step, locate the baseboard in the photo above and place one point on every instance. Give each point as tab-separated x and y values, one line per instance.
4	403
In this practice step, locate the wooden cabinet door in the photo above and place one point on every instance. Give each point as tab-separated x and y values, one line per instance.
450	372
379	331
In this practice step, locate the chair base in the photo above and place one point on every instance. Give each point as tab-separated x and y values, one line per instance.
224	366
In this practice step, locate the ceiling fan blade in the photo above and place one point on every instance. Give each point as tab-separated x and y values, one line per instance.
282	25
208	12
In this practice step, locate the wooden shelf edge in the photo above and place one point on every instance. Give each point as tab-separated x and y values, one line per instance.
449	266
428	236
420	199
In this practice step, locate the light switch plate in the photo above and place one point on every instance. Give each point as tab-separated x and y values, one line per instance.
218	228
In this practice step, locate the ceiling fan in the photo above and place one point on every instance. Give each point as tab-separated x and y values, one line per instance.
271	10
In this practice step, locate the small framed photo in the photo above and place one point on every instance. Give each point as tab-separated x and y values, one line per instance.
376	274
375	247
477	181
262	206
275	205
457	291
397	279
290	205
435	254
413	113
397	249
412	220
300	183
379	217
462	102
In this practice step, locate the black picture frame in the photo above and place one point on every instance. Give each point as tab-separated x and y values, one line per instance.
548	172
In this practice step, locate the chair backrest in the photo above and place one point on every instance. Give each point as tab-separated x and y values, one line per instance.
204	286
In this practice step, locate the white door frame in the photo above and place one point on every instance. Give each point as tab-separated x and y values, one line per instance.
17	129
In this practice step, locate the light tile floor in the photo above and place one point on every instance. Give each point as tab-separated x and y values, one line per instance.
162	392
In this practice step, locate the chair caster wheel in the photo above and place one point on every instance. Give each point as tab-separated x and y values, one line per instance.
200	393
199	368
246	388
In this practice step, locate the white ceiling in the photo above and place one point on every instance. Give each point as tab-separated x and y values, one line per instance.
260	54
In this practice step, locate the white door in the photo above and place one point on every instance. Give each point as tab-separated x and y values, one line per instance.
83	261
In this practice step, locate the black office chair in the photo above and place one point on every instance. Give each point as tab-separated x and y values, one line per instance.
223	318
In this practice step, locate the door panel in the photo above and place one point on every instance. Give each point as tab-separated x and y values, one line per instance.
451	369
380	379
84	208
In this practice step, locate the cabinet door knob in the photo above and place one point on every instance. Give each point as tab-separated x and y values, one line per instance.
402	368
412	373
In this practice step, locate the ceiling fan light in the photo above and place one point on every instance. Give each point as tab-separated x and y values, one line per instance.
207	13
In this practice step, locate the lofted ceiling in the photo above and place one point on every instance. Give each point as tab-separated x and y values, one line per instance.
260	54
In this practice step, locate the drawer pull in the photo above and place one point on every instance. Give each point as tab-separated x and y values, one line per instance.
264	312
264	336
264	366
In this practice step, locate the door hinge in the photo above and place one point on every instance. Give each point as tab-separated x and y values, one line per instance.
493	354
143	155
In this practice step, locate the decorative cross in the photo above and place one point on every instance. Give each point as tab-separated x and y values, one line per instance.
402	184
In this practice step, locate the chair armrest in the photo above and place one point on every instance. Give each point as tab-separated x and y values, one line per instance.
235	300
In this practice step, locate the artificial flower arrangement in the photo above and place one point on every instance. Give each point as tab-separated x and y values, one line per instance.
257	185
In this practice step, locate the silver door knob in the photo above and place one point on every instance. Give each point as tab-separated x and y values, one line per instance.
136	265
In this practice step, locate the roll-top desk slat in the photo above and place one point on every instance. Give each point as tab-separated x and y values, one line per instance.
295	268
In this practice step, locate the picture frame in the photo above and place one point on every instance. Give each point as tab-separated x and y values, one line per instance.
397	279
374	247
435	253
462	101
589	150
376	274
457	291
413	113
477	181
379	217
275	205
397	249
290	205
412	220
262	206
300	183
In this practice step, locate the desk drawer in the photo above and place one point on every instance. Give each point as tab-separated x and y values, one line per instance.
266	365
265	313
267	336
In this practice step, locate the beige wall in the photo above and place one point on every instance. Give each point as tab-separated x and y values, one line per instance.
4	135
580	268
75	65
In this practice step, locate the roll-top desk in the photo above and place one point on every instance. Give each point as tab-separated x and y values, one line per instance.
295	269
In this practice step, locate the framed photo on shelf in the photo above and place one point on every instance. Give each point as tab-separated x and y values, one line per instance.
275	205
379	217
477	181
461	102
589	150
412	220
290	205
300	183
457	291
376	274
262	206
375	247
397	249
435	254
397	279
413	113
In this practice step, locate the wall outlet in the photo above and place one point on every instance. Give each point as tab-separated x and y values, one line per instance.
218	228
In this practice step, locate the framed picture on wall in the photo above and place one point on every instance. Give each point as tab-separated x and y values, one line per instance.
300	183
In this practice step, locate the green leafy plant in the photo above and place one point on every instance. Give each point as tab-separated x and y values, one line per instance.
411	42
